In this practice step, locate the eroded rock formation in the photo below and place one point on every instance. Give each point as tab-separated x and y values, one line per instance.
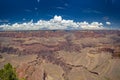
62	55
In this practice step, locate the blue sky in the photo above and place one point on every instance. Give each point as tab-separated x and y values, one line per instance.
78	10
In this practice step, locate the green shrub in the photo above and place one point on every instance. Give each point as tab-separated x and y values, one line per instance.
8	73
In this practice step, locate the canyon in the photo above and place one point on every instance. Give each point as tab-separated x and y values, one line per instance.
62	55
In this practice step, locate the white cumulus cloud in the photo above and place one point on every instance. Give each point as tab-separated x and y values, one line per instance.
57	23
108	23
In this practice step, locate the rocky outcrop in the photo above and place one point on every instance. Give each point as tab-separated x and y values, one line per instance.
62	55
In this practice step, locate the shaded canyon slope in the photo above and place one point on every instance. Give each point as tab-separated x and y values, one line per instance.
62	55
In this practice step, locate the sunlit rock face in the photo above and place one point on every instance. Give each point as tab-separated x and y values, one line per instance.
62	55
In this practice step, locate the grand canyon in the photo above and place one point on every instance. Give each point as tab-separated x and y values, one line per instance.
62	55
